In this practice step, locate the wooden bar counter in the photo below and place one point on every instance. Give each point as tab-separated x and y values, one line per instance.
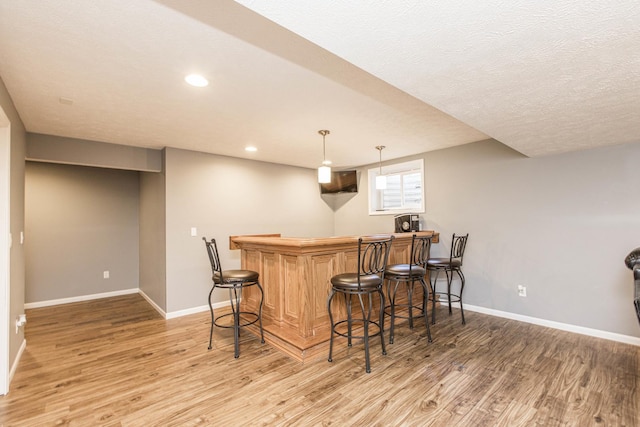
295	274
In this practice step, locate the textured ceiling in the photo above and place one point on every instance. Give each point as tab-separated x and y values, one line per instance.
540	77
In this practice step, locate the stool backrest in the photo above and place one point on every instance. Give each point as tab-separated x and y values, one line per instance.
458	244
420	251
212	251
373	255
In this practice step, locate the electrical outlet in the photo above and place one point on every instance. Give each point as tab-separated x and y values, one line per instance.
522	291
20	321
105	274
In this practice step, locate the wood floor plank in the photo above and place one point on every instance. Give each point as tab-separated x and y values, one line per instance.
116	362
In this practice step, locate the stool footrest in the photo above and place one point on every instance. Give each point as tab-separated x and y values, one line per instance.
404	308
247	322
360	324
453	297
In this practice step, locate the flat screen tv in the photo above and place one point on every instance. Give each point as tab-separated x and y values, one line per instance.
341	182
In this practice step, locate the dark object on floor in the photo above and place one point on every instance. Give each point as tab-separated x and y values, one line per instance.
363	284
408	275
633	262
234	281
450	265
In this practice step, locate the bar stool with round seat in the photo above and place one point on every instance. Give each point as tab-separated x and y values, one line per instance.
408	275
633	262
449	266
373	254
234	281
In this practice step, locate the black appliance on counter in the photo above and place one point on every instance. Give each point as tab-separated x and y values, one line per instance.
407	223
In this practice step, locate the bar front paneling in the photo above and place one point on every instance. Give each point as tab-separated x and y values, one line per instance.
295	274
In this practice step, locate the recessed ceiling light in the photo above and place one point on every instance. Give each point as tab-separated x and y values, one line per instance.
196	80
250	148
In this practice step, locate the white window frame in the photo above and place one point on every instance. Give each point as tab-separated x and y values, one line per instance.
397	168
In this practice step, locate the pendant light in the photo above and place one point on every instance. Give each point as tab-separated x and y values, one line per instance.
324	171
381	180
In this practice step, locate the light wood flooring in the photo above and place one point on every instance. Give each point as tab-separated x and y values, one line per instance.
116	362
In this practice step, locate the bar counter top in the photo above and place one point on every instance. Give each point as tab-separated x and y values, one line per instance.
302	243
295	273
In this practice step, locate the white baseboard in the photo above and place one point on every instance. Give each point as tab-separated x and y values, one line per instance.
193	310
80	298
555	325
174	314
152	303
180	313
14	365
165	315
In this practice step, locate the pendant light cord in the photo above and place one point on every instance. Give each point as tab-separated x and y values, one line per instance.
324	133
380	148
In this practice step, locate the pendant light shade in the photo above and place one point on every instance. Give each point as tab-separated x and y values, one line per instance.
381	180
324	171
324	174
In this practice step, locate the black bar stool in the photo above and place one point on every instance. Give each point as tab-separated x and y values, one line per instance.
234	281
633	262
409	274
373	254
449	266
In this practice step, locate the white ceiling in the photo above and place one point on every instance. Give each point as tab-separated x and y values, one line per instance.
542	77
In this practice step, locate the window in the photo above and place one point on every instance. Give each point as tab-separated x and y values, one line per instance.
404	192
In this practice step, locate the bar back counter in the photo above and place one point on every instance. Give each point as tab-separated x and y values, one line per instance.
295	274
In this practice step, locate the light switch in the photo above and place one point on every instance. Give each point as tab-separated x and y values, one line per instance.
194	232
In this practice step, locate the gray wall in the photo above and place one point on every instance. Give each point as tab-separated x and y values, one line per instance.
17	255
153	238
561	225
57	149
80	222
220	196
224	196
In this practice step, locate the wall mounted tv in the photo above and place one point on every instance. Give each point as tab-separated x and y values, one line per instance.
341	182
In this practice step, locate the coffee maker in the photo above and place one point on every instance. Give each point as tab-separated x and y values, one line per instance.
407	223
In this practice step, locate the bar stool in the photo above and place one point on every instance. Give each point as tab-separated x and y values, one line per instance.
409	274
449	266
234	281
633	262
373	254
